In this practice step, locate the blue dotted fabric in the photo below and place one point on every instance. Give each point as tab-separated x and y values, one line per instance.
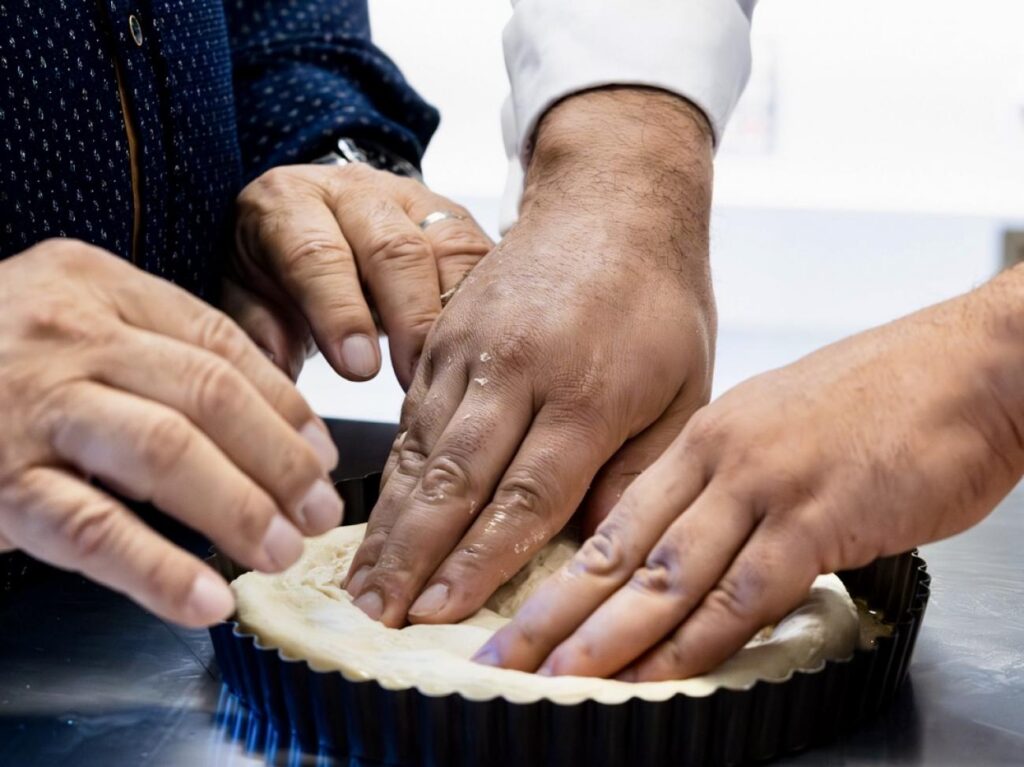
218	92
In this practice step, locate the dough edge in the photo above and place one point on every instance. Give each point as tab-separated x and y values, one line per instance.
304	615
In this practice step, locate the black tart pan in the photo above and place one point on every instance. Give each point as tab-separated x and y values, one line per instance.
327	714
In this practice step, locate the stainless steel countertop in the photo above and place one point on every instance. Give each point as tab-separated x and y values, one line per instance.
87	678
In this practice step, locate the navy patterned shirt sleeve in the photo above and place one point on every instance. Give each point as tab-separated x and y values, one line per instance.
307	73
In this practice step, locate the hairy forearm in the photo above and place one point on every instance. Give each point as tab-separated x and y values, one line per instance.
628	173
623	143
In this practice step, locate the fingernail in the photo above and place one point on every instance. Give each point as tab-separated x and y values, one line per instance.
321	509
546	670
487	656
431	600
359	355
282	543
315	434
209	600
355	583
371	604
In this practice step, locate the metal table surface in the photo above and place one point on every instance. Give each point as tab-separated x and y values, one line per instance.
87	678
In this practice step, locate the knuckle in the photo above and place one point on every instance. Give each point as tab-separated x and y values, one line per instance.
460	240
732	599
215	388
517	347
57	319
671	655
661	573
411	457
65	252
373	543
446	476
219	334
602	554
387	246
656	579
274	182
314	258
163	442
358	173
89	529
522	495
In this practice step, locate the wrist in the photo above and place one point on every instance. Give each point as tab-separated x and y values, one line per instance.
623	145
997	309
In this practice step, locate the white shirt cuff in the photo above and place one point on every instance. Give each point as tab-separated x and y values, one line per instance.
699	49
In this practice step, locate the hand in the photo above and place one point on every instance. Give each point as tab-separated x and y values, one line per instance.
109	373
893	438
309	237
587	333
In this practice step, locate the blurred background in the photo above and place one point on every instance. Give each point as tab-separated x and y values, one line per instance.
874	165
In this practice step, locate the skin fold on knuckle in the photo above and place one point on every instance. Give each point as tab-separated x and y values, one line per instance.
446	478
460	241
412	456
161	444
520	503
737	598
311	259
602	555
215	391
398	249
218	333
89	530
659	577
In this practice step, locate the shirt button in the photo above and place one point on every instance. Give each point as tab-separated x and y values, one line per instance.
136	29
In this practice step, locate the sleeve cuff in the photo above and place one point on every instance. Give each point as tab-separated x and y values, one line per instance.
699	49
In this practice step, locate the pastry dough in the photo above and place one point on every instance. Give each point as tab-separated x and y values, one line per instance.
306	615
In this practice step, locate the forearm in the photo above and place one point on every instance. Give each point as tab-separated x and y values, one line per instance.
635	162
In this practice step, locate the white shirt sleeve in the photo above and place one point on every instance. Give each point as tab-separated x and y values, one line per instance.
699	49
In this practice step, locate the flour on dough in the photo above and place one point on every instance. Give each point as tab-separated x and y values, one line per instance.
304	613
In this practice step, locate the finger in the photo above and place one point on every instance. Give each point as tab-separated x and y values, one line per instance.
398	267
603	564
152	453
425	427
64	521
769	578
455	483
410	407
538	493
636	455
298	238
291	466
681	568
276	330
151	304
458	243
